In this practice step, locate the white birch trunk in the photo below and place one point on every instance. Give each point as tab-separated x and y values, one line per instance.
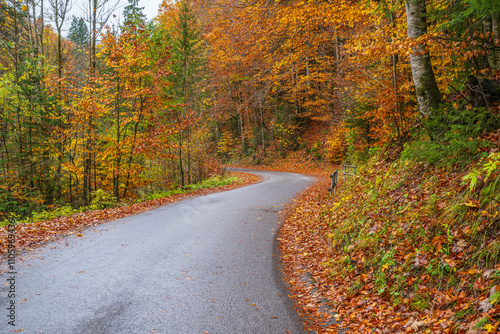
428	94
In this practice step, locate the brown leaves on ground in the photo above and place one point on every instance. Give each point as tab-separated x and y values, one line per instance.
397	250
304	249
33	234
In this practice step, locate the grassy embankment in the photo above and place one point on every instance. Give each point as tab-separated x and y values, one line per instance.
402	247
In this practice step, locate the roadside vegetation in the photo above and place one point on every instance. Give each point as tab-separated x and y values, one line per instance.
404	246
48	225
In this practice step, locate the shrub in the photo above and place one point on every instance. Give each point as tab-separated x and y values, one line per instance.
453	137
102	200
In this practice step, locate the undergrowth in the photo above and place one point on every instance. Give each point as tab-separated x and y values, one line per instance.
425	239
452	137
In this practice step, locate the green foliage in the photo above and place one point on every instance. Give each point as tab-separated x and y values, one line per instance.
488	174
361	125
360	137
453	137
78	32
66	210
316	151
484	6
187	55
287	136
214	181
454	123
162	194
27	121
482	322
102	200
486	169
385	261
9	204
133	13
441	154
421	301
494	298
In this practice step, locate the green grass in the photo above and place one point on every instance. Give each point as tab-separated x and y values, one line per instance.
213	182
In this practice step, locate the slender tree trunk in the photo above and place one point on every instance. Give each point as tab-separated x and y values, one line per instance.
31	29
131	155
95	170
134	142
93	34
428	94
87	163
495	28
6	160
181	167
397	107
42	26
189	160
16	56
398	117
35	28
242	129
116	174
263	138
60	9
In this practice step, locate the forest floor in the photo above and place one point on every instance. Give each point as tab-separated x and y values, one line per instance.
32	235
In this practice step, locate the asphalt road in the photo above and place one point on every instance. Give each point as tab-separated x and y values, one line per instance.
203	265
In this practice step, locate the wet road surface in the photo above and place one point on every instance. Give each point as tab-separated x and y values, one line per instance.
203	265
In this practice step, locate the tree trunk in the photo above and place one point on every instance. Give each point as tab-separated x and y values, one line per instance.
495	28
491	30
263	138
428	94
181	167
42	26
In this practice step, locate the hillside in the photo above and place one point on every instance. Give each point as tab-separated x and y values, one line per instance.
402	247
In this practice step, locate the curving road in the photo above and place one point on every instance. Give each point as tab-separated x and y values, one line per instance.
203	265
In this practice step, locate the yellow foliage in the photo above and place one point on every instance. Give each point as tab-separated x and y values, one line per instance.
336	146
225	143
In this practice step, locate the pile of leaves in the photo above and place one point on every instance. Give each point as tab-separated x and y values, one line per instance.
304	249
30	235
403	247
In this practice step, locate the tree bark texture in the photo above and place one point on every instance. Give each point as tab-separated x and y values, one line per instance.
428	94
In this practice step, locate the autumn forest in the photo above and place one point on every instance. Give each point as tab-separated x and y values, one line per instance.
105	113
144	105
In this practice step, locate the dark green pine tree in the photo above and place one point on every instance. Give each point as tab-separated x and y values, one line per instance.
133	13
78	31
187	53
187	73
